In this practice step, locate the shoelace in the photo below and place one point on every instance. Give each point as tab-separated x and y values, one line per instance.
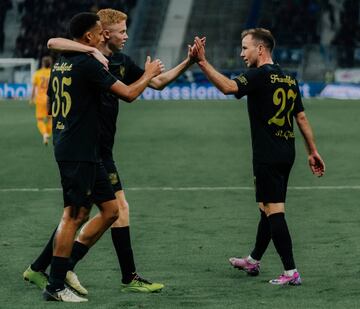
141	280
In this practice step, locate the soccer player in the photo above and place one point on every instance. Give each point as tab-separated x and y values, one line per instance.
40	83
76	83
121	65
273	100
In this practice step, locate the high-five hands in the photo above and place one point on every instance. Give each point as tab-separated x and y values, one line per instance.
196	52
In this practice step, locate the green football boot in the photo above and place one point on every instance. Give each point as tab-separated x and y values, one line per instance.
140	285
39	278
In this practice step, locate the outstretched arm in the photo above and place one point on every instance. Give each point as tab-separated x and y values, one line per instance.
316	163
223	83
66	45
167	77
130	92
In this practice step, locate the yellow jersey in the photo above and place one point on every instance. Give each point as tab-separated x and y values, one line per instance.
40	82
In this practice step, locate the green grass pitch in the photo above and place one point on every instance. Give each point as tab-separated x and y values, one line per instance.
183	236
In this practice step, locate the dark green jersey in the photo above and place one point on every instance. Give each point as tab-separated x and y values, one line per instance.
273	98
125	70
76	82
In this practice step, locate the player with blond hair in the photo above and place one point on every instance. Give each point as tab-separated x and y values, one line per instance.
124	68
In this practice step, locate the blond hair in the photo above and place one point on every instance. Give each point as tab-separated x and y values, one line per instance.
110	17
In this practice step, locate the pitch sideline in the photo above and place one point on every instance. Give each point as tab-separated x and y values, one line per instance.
190	188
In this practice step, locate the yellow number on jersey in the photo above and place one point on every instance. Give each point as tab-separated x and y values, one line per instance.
280	97
62	97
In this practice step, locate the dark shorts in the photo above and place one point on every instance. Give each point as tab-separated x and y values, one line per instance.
84	183
113	175
271	182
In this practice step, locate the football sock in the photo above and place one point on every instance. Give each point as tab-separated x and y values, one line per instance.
42	126
263	237
44	259
59	268
78	252
122	243
290	272
282	240
251	260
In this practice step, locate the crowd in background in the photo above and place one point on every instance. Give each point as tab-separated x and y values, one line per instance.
348	36
294	23
43	19
5	5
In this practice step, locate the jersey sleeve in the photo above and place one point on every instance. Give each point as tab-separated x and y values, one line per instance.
298	107
99	75
134	72
246	82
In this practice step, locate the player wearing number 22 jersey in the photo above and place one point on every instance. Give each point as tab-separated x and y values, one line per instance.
271	112
273	100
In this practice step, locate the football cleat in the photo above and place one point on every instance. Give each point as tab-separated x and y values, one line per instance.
243	264
283	279
39	278
73	282
65	295
140	285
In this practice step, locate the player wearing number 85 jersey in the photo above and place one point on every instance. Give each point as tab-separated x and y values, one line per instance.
76	83
273	100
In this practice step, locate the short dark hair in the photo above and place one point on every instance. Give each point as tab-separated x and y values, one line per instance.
261	34
81	23
46	61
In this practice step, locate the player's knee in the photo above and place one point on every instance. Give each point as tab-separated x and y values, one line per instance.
75	216
123	206
112	214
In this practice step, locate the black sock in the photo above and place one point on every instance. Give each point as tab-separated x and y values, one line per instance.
282	240
59	267
79	250
44	259
263	237
122	243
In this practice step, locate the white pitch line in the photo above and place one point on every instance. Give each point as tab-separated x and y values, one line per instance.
189	188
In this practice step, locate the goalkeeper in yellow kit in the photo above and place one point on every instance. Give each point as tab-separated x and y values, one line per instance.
40	83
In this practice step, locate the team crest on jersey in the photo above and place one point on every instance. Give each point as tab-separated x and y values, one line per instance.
242	79
113	178
122	71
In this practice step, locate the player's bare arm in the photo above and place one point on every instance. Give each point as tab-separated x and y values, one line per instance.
32	98
131	92
316	163
65	45
167	77
223	83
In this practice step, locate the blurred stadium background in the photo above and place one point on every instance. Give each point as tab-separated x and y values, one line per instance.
186	164
317	40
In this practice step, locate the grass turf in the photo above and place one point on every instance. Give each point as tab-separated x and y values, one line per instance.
184	238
